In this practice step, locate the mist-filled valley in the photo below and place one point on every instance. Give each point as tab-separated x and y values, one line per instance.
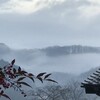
49	49
69	59
69	65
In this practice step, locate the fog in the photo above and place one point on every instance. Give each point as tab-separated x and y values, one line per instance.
75	64
39	62
54	59
67	62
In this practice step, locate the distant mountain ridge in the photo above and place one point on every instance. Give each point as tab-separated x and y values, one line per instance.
74	58
61	61
73	49
53	50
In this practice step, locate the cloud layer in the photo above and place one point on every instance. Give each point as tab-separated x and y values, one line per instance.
87	8
41	23
26	6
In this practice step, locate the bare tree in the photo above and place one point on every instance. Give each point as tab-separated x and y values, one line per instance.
71	91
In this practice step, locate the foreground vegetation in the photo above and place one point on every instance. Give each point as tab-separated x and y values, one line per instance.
11	77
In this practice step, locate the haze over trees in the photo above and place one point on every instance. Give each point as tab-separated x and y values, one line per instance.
55	59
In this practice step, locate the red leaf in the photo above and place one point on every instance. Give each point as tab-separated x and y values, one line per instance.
30	74
19	69
51	80
46	76
21	78
24	83
6	96
23	72
41	74
40	79
31	78
1	92
13	62
14	70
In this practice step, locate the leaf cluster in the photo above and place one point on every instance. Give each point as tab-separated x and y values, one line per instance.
14	77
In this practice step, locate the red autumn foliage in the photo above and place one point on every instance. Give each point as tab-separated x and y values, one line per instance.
13	77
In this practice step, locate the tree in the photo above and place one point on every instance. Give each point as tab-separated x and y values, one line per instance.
11	77
52	92
71	91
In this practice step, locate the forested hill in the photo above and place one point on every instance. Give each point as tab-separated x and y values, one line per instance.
73	49
50	51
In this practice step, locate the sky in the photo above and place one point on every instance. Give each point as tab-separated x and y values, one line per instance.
42	23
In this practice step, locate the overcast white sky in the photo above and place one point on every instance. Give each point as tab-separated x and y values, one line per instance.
41	23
